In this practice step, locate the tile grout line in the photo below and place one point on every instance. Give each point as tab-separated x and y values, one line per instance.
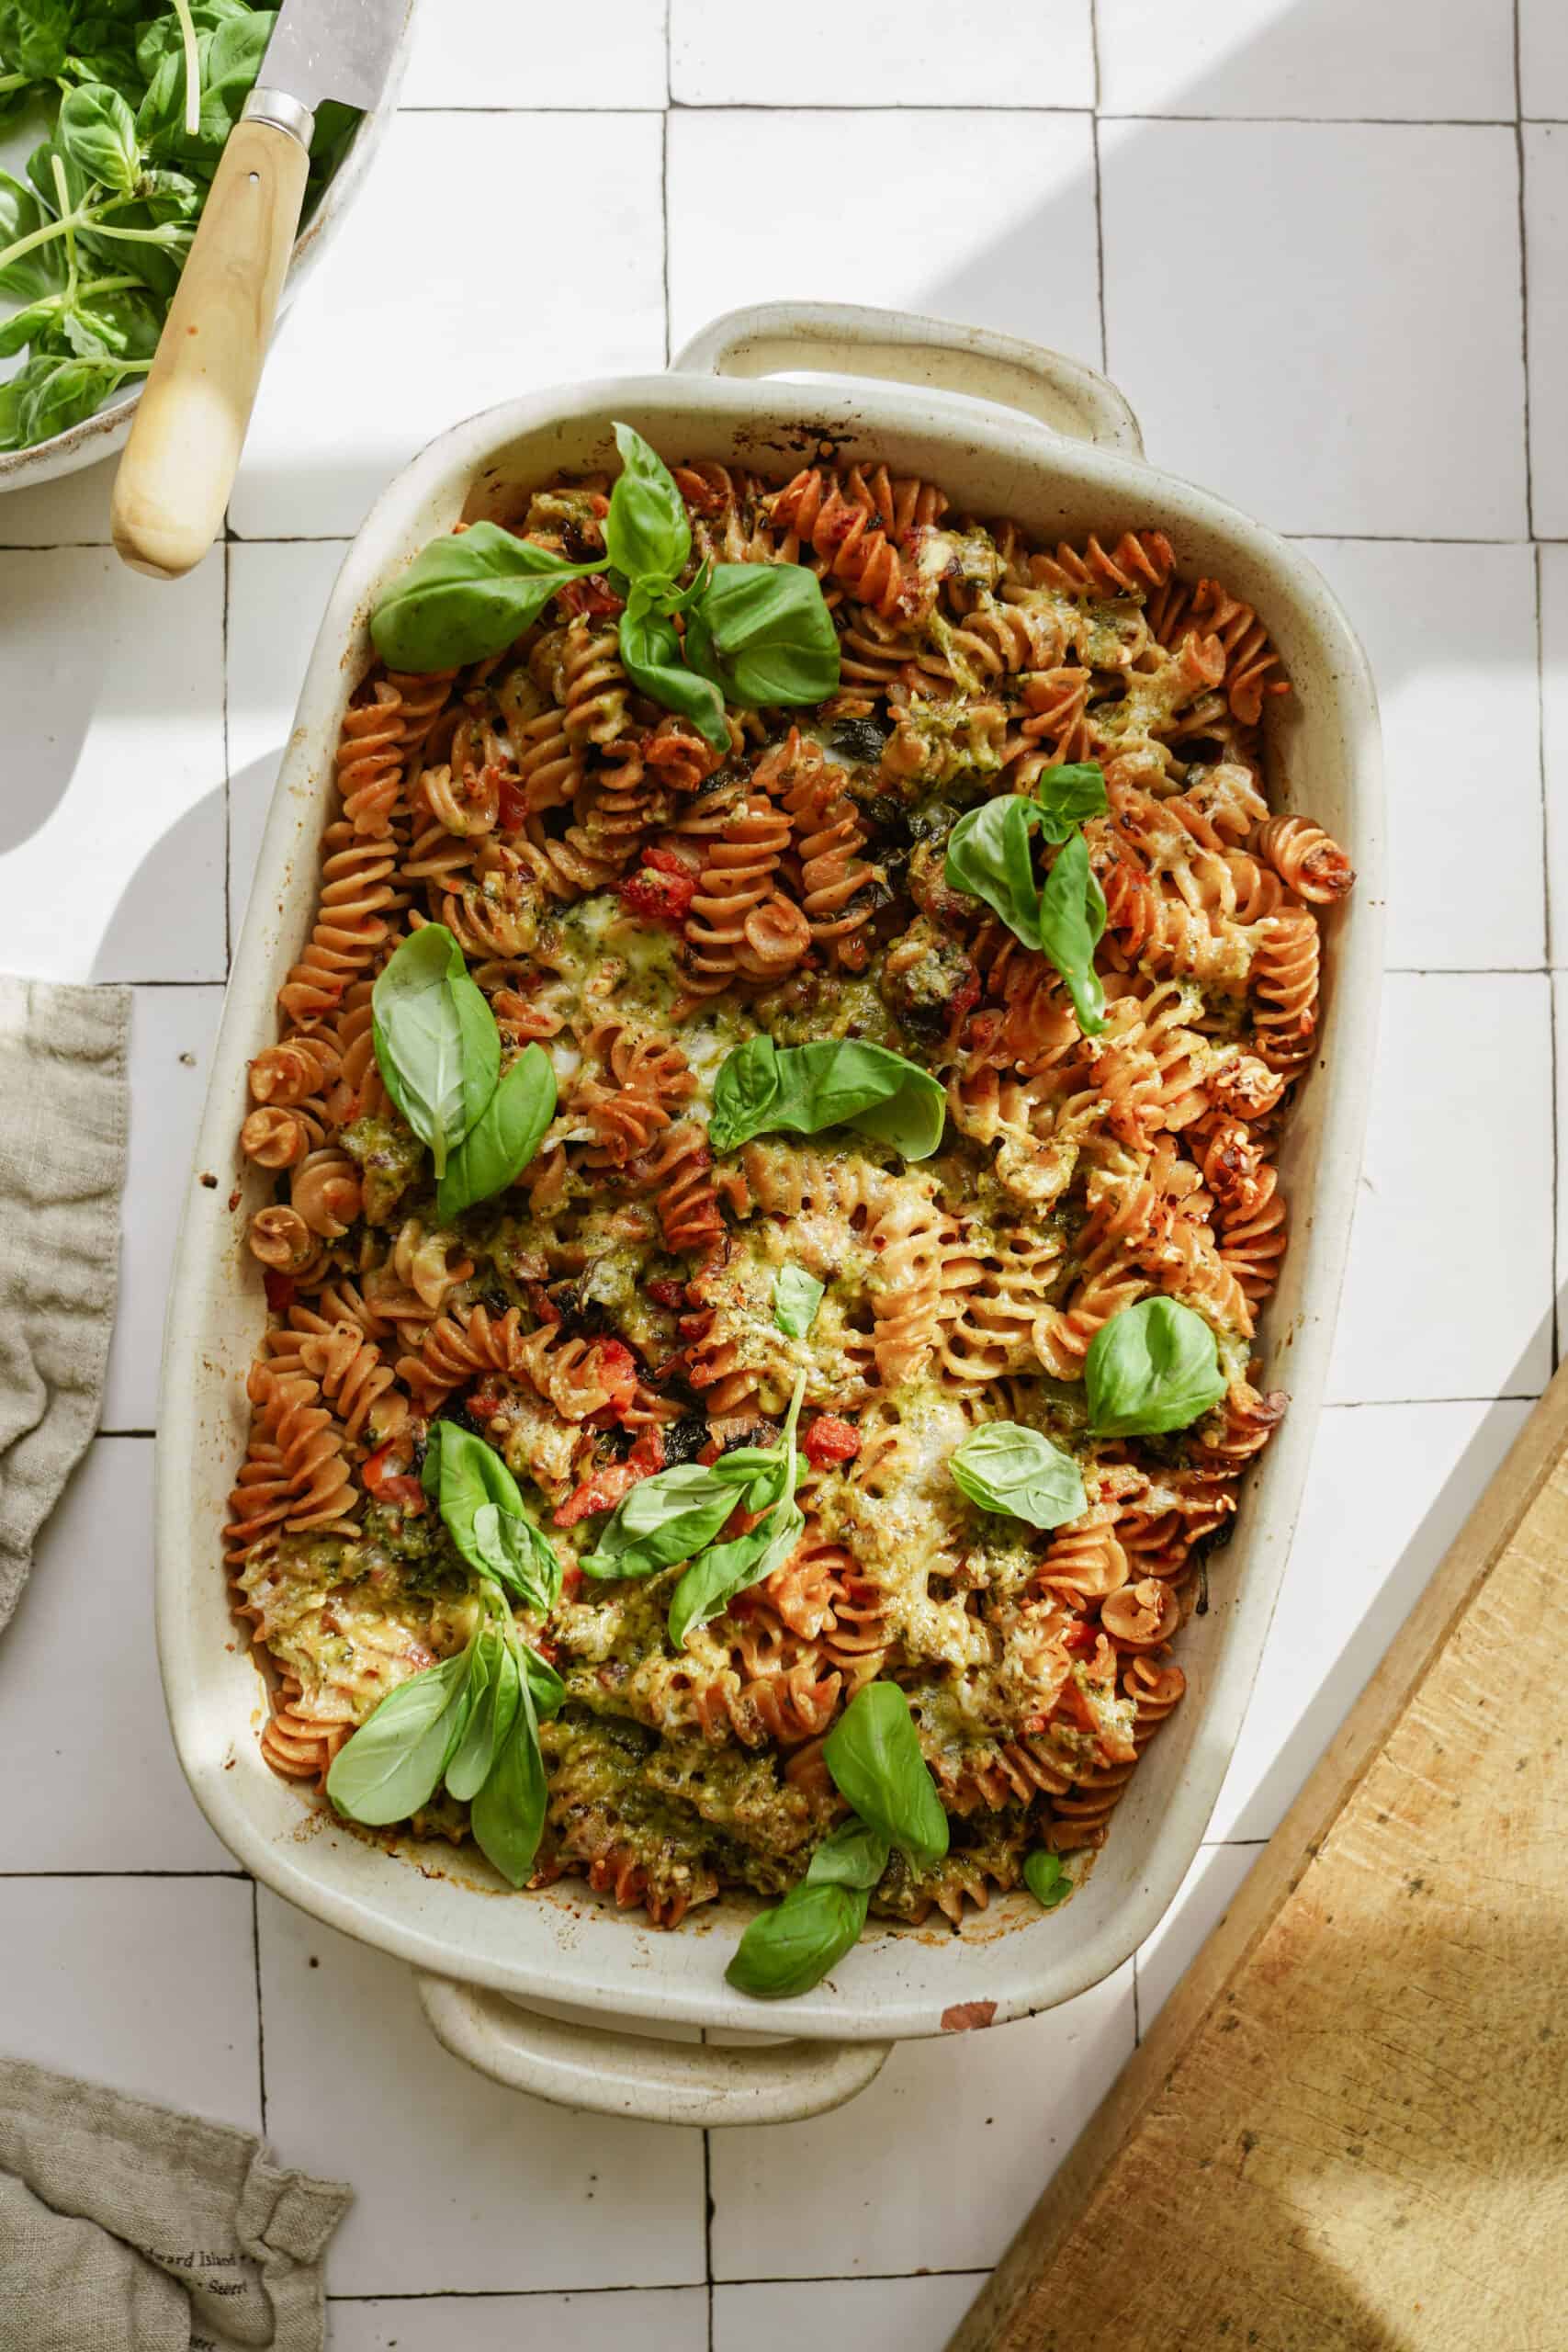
1098	201
1547	912
526	2294
1523	271
261	2026
1348	539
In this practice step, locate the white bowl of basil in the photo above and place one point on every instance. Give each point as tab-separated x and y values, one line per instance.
101	187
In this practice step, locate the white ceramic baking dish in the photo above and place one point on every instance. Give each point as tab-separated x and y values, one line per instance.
107	431
1007	429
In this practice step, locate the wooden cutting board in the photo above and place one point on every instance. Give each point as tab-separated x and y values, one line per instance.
1347	2129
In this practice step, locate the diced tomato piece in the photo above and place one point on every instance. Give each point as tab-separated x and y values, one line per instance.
656	896
389	1485
604	1489
594	594
279	1289
513	805
1082	1638
830	1440
670	861
665	1291
612	1365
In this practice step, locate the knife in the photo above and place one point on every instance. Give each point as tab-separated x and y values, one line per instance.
189	428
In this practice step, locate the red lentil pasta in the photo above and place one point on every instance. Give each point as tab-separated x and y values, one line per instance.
639	904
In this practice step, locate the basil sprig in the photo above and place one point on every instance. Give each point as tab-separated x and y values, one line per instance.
676	1514
755	634
473	1722
1005	1467
1046	1879
467	596
990	855
873	1755
840	1082
439	1054
796	1297
485	1515
1152	1368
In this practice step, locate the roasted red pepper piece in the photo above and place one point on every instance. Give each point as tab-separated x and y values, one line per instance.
830	1440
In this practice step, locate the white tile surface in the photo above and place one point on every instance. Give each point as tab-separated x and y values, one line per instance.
146	1984
414	326
1414	60
1447	629
277	593
1344	401
1554	564
673	2319
112	768
1216	1872
932	2168
1460	1125
1543	58
173	1032
993	221
1546	226
460	2184
1390	1487
497	53
876	2315
889	52
94	1786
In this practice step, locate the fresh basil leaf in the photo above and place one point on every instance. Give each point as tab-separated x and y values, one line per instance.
873	1755
124	324
393	1763
466	597
435	1040
650	655
786	1951
988	855
160	37
35	37
544	1685
1046	1878
646	534
1066	794
504	1137
486	1516
483	1733
1152	1368
41	272
767	634
229	58
796	1297
1072	916
744	1092
856	1855
715	1578
38	321
52	394
508	1816
838	1082
103	49
1006	1467
96	131
664	1519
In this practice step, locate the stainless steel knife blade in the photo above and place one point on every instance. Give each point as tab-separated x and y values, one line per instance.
334	48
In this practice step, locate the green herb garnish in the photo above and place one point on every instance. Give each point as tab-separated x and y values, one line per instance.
1005	1467
799	1090
1152	1368
990	855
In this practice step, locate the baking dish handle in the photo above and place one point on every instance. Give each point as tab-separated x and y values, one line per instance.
844	339
608	2071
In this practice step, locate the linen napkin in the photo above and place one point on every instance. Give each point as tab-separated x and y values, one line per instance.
126	2227
63	1116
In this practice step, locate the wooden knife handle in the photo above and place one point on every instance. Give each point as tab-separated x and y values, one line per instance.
179	465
